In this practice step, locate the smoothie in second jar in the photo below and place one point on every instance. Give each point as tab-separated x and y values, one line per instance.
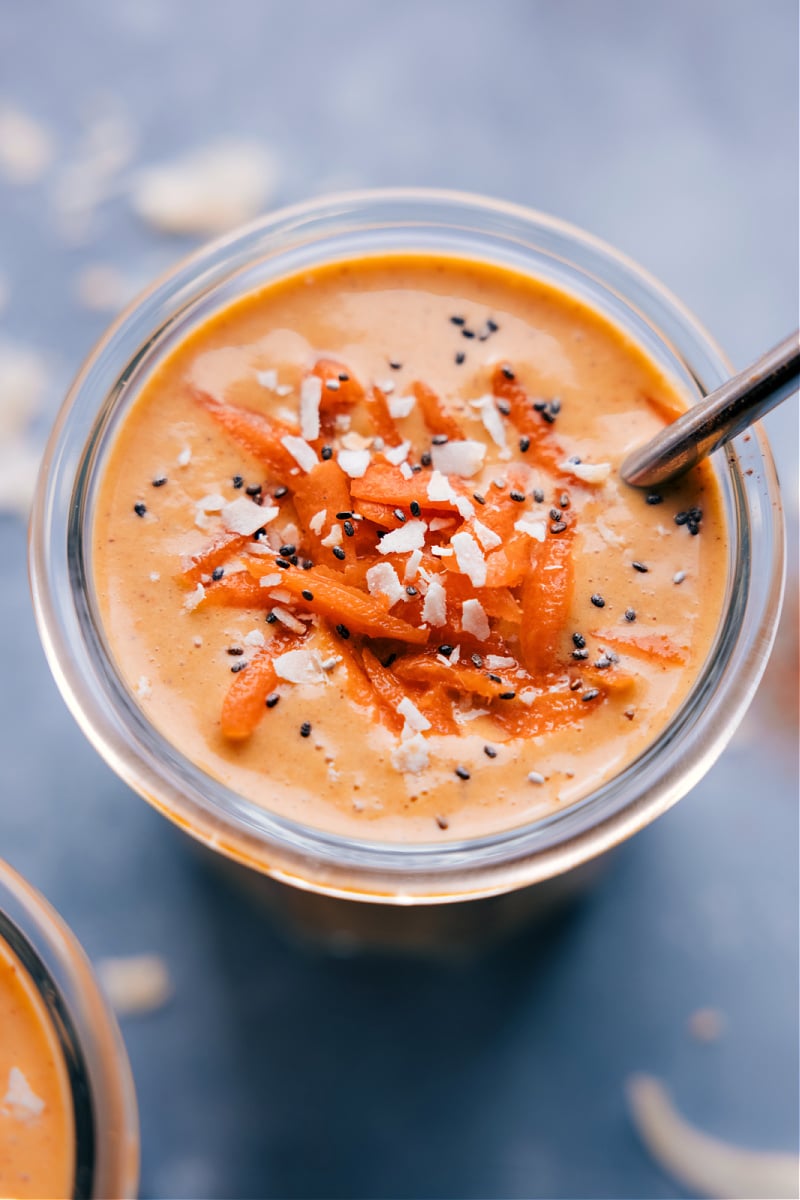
37	1128
361	550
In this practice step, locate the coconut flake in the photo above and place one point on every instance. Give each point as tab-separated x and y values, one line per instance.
414	719
382	580
488	539
440	488
334	538
397	454
434	610
492	421
405	470
143	687
459	458
474	619
401	406
498	662
244	517
268	379
442	551
207	192
310	396
254	638
701	1163
608	534
411	756
354	462
406	538
469	557
185	456
135	984
213	503
412	566
20	1100
534	527
299	666
194	598
317	521
288	619
587	472
304	455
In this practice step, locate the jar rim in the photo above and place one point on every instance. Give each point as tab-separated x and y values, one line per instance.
302	855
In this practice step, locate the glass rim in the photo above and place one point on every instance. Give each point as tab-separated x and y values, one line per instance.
101	1084
332	863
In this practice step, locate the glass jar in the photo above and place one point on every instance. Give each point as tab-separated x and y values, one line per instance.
392	874
82	1026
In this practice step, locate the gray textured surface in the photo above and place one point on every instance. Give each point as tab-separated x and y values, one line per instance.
669	129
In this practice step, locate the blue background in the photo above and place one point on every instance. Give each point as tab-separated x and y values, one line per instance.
669	129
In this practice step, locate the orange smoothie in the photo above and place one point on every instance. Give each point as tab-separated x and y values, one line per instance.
37	1134
361	550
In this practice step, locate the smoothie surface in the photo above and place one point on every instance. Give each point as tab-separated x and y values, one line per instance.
37	1135
361	551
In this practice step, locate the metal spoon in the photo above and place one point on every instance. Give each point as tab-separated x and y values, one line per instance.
717	418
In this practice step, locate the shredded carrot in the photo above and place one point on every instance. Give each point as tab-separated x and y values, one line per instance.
204	561
434	413
549	711
238	590
658	647
545	448
382	420
356	611
326	488
257	433
546	595
347	390
245	700
384	484
389	692
429	670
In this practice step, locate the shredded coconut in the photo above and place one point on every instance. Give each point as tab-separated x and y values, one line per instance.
401	406
410	536
405	470
194	598
412	565
382	580
534	528
310	396
243	516
299	666
254	638
268	379
397	455
334	538
317	522
469	557
354	462
304	455
587	472
414	719
458	458
213	503
185	456
411	755
288	619
492	421
20	1100
488	539
498	662
143	687
434	610
474	619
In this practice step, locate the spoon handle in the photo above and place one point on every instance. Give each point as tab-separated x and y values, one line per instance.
717	418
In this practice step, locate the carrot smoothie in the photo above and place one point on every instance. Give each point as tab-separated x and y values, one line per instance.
37	1134
362	553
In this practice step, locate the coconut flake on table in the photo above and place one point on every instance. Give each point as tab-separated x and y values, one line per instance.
20	1100
354	462
413	718
208	191
304	455
587	472
382	580
699	1162
406	538
318	521
26	147
299	666
194	598
486	406
268	379
469	557
463	458
533	526
397	455
245	517
135	984
401	406
474	619
411	756
310	396
488	539
434	610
